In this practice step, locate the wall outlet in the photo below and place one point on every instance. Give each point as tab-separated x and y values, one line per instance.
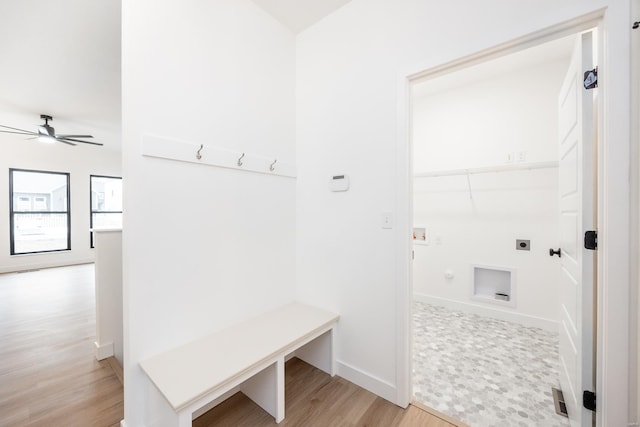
522	156
523	245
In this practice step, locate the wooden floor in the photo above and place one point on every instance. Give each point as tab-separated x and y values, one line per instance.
313	399
49	376
48	373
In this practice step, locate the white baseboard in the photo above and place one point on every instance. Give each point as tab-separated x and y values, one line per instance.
493	312
367	381
43	265
103	350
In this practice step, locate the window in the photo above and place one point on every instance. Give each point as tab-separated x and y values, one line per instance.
40	203
39	211
106	202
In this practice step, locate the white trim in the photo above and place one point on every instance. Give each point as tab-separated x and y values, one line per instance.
404	245
612	383
375	385
493	312
104	350
43	265
612	373
488	169
634	226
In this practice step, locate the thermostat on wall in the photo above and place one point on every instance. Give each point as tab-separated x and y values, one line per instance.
339	183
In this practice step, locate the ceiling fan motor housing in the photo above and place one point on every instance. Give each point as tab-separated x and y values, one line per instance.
46	130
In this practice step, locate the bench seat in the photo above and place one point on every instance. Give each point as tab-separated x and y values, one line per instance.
247	357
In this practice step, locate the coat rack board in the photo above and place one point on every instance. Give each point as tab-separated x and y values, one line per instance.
164	148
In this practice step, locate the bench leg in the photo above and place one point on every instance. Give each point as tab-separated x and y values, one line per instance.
280	389
266	388
320	352
185	419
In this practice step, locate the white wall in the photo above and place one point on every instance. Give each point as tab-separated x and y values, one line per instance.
204	247
80	162
462	232
349	68
480	124
477	124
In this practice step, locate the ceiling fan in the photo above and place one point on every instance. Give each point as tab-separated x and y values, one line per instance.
46	133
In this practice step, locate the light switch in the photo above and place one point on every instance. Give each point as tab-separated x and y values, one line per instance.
387	220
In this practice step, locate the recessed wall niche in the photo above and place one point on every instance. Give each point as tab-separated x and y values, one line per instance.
494	285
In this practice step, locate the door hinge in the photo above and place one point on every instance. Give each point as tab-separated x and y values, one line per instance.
591	78
591	240
589	400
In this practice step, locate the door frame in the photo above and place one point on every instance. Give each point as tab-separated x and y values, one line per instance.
612	324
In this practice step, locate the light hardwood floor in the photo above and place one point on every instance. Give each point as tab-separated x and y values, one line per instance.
49	376
48	373
313	398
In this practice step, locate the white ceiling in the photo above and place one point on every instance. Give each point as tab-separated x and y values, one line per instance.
61	58
298	15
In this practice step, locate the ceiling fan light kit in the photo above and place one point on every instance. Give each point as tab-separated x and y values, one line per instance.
47	134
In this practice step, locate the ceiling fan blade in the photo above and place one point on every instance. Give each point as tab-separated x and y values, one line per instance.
74	136
78	140
9	127
18	133
66	142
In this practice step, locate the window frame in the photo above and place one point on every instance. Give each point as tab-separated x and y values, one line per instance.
12	212
91	211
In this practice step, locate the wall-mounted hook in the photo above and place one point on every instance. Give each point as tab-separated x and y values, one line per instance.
240	160
198	155
271	167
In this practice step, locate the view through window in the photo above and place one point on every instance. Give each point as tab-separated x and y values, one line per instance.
39	211
106	202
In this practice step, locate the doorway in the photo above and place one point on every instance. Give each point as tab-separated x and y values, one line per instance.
486	239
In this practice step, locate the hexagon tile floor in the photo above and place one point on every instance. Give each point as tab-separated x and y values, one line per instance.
482	371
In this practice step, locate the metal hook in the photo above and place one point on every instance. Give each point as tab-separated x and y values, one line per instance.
271	168
240	160
198	155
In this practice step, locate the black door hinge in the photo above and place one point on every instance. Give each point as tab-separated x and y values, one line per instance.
591	78
589	400
591	240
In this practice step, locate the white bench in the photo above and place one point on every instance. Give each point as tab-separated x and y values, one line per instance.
249	357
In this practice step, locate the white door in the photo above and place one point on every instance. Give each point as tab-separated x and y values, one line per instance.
577	214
